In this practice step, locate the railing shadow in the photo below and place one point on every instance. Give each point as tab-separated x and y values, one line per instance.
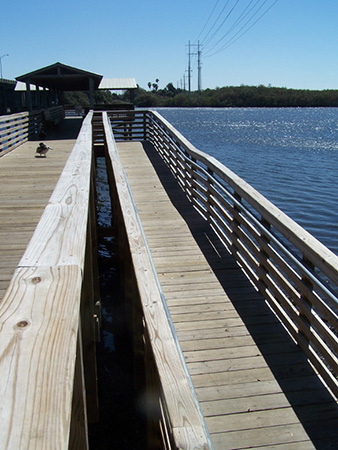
68	128
309	398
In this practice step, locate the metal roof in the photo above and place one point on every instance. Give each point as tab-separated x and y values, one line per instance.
21	86
113	84
60	76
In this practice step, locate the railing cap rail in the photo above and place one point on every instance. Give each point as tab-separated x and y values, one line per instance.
40	315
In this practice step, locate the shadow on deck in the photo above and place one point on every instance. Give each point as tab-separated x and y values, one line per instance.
314	406
68	128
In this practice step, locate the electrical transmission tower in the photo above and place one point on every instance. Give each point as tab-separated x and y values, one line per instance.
199	68
199	65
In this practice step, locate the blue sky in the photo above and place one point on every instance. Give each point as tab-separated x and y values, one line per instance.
295	44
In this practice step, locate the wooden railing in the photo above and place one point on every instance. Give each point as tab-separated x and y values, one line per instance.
48	321
174	418
47	318
15	129
47	314
296	274
129	125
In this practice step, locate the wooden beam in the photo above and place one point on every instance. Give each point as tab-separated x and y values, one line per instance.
40	315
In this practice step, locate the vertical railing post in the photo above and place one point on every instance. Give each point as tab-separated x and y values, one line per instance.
145	129
263	270
308	304
187	168
209	184
235	237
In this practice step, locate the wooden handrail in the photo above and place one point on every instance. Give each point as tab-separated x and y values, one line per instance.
296	274
178	406
40	341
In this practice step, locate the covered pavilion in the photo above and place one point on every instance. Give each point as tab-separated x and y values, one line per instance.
58	78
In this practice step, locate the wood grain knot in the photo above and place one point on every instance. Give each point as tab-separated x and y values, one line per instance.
69	200
22	324
36	280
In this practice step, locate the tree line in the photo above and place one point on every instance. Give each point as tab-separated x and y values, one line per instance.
237	96
230	96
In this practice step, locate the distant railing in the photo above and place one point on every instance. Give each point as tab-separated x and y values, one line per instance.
296	274
15	129
129	125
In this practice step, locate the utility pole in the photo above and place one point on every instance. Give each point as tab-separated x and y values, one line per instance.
189	71
199	67
1	64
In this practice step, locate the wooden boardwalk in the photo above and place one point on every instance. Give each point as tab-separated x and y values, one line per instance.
256	388
26	185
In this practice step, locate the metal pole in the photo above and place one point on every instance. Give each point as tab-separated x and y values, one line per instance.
189	72
199	67
1	64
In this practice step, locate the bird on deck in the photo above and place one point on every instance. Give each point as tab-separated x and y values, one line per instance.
43	149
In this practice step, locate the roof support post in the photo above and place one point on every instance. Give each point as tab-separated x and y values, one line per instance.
29	96
38	97
132	96
45	97
91	93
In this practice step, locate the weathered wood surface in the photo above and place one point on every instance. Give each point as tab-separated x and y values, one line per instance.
26	184
185	420
256	388
40	310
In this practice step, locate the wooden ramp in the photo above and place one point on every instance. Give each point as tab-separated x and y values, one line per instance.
256	388
26	184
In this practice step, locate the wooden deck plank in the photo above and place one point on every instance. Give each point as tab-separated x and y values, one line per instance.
27	183
254	385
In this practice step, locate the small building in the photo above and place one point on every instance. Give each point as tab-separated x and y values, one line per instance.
44	87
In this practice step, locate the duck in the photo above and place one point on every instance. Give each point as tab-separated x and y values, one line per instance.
43	149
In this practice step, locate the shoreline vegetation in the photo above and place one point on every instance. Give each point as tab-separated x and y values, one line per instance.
230	96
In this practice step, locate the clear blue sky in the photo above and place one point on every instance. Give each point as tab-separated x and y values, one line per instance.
295	44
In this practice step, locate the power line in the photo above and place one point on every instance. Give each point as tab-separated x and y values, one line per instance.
239	20
250	12
220	26
234	39
214	24
206	23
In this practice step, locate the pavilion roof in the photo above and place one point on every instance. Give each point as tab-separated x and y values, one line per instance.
62	77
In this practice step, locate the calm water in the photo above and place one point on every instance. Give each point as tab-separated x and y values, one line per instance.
290	155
